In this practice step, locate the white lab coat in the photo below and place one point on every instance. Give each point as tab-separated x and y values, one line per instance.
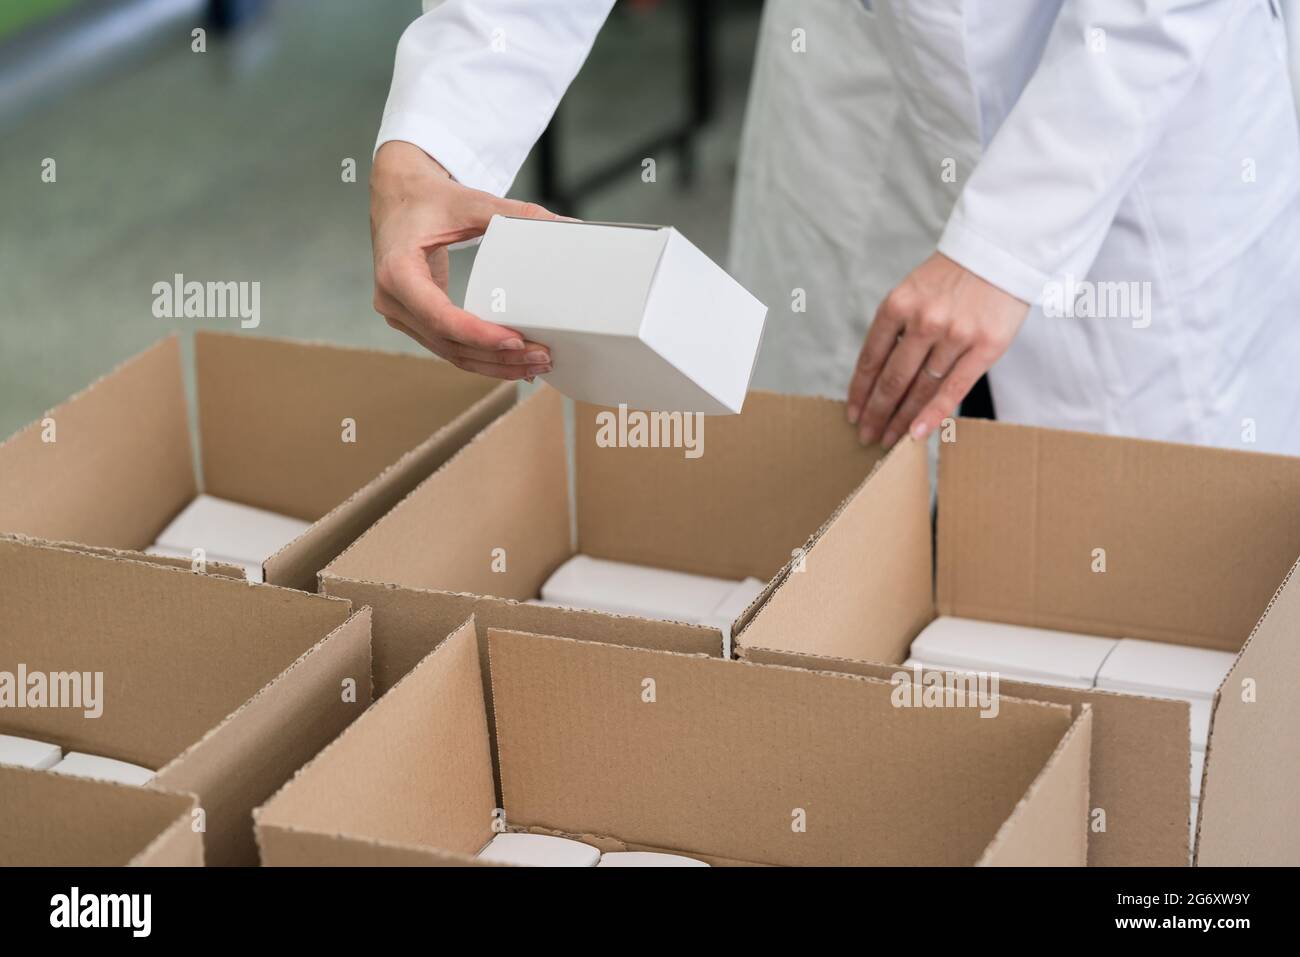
1148	149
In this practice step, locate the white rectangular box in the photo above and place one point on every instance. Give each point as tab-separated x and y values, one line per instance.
26	753
1054	681
229	530
633	315
539	850
1030	654
620	588
102	769
1164	670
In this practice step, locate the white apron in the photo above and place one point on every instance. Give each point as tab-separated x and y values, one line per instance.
854	116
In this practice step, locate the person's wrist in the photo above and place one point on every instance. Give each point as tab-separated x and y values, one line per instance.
398	159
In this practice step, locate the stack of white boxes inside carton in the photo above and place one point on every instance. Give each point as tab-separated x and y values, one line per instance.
227	532
620	588
43	756
543	850
1131	665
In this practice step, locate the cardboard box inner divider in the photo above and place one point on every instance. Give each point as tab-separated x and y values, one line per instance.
482	534
725	761
330	435
223	687
1097	535
49	820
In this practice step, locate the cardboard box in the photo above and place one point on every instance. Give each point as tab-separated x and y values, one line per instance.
633	315
480	536
50	820
1103	536
723	761
223	686
113	465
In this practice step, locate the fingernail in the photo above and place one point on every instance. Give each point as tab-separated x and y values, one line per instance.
853	415
539	370
541	358
511	344
920	430
889	440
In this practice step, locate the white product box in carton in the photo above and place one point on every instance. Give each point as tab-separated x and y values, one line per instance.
1028	654
911	664
1164	670
1198	767
624	589
633	315
539	850
26	753
647	859
229	530
102	769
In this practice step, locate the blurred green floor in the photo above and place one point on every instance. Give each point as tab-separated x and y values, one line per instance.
226	166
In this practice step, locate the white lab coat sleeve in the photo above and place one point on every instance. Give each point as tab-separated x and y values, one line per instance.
476	81
1043	196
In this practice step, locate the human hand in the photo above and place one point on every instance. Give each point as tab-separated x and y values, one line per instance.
416	211
932	338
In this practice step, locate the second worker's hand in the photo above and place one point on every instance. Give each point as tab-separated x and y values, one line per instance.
416	211
932	338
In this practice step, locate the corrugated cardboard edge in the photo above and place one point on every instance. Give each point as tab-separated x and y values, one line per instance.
220	569
318	671
180	845
1152	847
762	603
1248	812
1056	803
299	563
279	843
707	641
1053	821
180	461
483	435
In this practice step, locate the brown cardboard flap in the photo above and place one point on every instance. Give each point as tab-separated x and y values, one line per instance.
297	564
272	411
120	466
241	762
1249	813
766	480
728	753
168	561
287	847
865	589
493	521
1049	827
1138	779
181	845
52	820
1195	539
178	651
415	770
409	623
